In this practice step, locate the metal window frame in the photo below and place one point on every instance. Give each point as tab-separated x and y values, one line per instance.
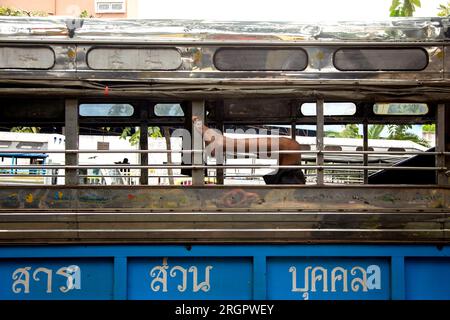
110	2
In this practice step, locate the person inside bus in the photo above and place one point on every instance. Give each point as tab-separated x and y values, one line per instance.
214	140
125	161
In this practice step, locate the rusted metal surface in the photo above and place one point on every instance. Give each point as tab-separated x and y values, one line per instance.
224	214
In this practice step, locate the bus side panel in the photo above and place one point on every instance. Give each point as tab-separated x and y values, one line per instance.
226	272
334	278
427	278
56	278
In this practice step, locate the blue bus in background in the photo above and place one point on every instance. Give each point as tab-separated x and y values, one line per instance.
14	173
360	226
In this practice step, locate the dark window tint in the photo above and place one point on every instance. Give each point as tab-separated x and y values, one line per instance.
260	59
106	110
256	108
380	59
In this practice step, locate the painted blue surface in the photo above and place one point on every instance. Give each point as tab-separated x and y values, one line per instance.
328	278
234	272
427	279
231	277
48	279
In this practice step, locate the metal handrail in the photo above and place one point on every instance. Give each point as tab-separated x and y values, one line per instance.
240	153
242	166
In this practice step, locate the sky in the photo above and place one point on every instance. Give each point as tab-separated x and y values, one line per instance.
276	10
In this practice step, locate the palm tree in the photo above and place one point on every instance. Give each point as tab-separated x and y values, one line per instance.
375	131
400	132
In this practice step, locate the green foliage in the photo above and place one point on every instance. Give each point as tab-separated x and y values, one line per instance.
85	14
444	10
350	131
375	131
429	128
134	135
403	8
396	132
331	134
399	132
26	129
5	11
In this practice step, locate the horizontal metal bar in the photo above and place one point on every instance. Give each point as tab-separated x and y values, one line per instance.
343	167
234	153
166	176
217	215
244	43
255	230
83	176
31	175
99	151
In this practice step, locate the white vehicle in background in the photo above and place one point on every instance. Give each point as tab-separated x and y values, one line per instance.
43	142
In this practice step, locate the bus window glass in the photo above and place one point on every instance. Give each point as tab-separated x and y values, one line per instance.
168	110
26	58
106	110
351	59
400	108
260	59
133	59
256	108
330	109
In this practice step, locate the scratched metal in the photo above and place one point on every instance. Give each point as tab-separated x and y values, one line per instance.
197	42
113	227
228	198
224	214
394	29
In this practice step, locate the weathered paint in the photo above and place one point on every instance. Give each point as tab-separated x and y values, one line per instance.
227	198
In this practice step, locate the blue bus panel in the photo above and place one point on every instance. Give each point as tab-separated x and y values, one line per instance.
328	278
427	278
61	279
187	278
225	272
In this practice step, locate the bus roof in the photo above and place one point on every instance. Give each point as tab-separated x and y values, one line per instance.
23	155
188	31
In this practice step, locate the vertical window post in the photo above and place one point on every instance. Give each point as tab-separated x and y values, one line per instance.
366	148
198	175
319	139
143	145
441	120
447	142
293	130
220	156
71	138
